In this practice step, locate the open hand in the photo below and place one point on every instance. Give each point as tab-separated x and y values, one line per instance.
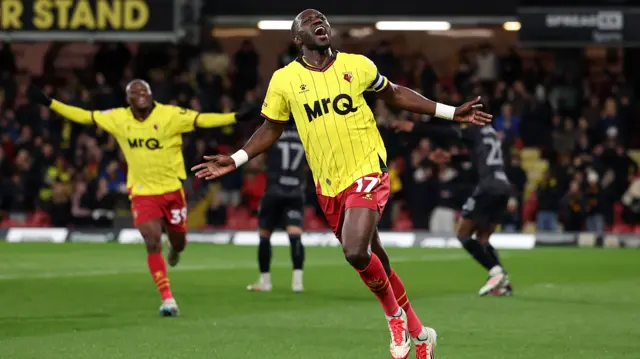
216	166
402	125
470	112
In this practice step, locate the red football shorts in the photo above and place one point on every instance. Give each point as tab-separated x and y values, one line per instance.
370	191
172	207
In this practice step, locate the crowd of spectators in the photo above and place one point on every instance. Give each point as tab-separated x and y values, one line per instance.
577	112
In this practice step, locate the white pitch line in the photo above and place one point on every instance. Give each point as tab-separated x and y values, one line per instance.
222	266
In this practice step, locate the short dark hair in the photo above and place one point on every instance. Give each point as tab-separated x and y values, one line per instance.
295	26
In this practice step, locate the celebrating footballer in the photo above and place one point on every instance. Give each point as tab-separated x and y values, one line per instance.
323	89
150	136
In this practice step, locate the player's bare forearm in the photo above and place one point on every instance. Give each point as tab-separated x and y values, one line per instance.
263	138
407	99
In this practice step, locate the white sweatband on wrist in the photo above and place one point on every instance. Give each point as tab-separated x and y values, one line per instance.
445	111
240	157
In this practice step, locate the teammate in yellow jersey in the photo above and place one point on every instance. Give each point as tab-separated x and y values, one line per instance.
323	89
150	136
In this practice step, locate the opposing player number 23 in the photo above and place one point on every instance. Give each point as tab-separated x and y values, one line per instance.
366	184
178	215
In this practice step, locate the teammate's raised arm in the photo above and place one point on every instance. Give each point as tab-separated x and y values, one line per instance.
72	113
186	120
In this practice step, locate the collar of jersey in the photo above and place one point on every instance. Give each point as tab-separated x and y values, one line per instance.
308	66
155	105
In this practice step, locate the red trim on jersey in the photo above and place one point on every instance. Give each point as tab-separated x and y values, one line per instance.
307	66
272	120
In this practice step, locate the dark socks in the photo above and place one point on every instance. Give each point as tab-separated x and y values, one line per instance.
493	253
297	251
479	253
264	254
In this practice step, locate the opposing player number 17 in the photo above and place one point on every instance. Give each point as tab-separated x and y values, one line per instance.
366	184
178	215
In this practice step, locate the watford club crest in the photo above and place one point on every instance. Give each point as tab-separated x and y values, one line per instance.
348	76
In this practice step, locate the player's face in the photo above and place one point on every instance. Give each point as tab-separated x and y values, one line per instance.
314	31
139	95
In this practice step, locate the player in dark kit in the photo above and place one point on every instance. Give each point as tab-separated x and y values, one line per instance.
324	91
282	205
484	209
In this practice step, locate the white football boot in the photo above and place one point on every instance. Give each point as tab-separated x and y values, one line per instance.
296	281
400	345
262	285
497	278
425	343
169	308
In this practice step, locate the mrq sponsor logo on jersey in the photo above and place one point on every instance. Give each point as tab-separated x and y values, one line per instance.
148	143
341	104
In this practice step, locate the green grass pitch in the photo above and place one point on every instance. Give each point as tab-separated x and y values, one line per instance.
97	301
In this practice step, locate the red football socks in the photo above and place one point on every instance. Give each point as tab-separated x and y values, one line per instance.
415	326
376	279
158	269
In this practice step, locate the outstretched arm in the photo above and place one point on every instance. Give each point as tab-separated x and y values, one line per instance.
104	119
261	140
276	111
407	99
247	112
75	114
72	113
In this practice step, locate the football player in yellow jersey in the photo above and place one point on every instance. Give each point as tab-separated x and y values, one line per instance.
150	136
323	89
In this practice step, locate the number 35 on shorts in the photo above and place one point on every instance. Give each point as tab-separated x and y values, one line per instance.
178	216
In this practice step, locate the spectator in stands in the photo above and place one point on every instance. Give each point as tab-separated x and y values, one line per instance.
395	187
609	118
507	124
548	193
114	177
591	113
246	63
487	67
217	212
7	59
517	176
593	203
102	203
213	60
443	217
288	56
60	209
254	184
80	206
424	76
574	208
421	184
631	203
511	66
